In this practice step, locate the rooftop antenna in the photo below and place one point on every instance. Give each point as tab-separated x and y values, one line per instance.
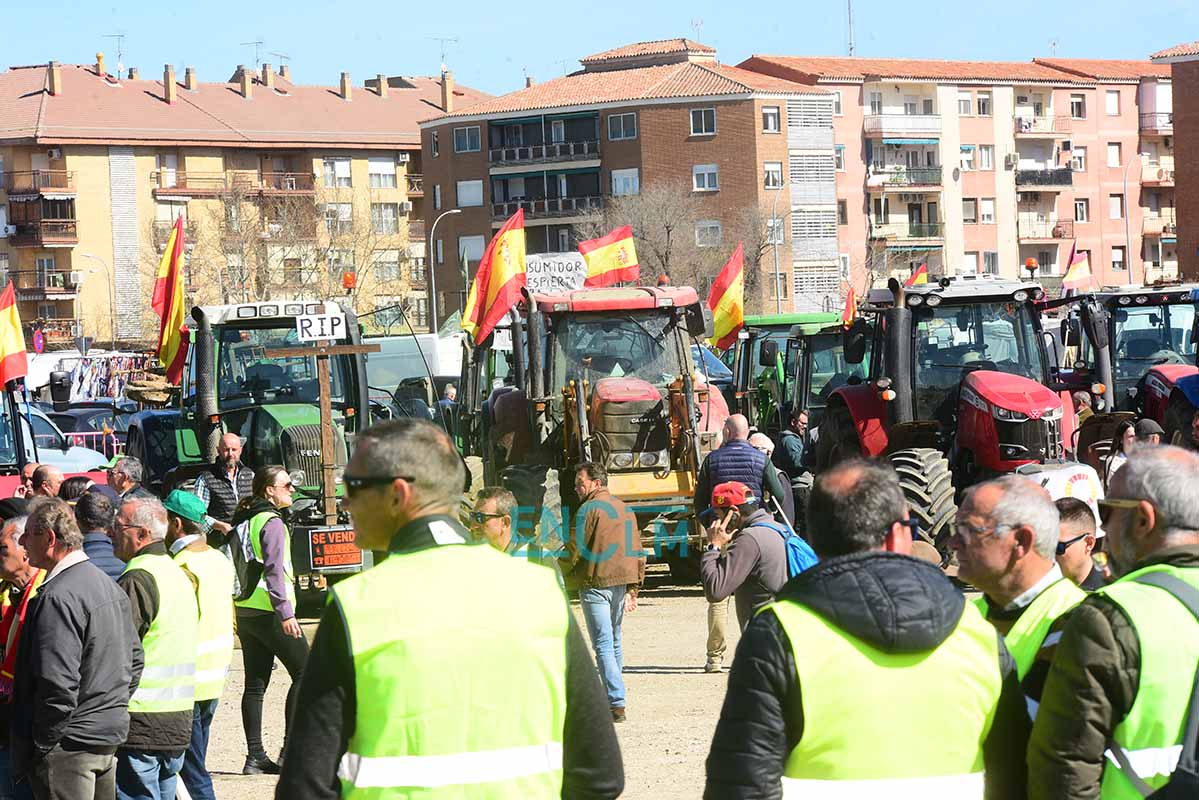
257	52
120	37
564	62
445	41
1053	47
283	58
849	11
697	25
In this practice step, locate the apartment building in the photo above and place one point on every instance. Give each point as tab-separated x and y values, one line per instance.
661	118
286	190
980	166
1183	62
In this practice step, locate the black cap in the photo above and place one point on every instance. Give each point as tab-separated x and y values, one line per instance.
1146	428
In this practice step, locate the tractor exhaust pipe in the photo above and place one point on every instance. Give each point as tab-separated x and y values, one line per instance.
898	320
536	370
206	407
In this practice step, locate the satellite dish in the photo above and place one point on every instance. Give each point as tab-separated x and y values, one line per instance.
957	173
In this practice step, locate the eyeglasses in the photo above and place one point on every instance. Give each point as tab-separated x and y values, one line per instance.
289	486
480	517
967	532
1062	547
913	525
356	483
122	527
1109	504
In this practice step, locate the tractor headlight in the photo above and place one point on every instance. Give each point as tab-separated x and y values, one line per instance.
622	460
1007	415
654	459
298	477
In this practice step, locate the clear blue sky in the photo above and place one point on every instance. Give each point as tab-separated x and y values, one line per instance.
498	41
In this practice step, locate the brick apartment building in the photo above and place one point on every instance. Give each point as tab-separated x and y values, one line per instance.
651	114
284	189
1183	61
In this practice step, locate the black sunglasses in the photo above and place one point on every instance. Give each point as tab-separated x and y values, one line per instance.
912	524
356	483
1062	547
481	517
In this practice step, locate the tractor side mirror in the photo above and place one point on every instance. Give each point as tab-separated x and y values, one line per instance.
1095	318
1071	332
697	319
854	340
60	390
769	354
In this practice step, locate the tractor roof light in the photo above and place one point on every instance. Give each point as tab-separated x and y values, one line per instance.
883	383
915	299
1142	299
933	300
888	395
1124	300
1020	295
1098	389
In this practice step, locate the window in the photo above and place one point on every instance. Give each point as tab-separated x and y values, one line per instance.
771	119
557	131
707	233
876	102
470	193
1111	102
622	126
564	240
842	212
339	261
470	249
991	263
967	157
337	173
420	311
843	261
1082	210
1045	263
1078	159
837	103
986	211
420	269
466	140
775	232
778	286
436	196
1118	263
965	103
969	264
839	158
387	265
440	248
984	104
927	107
1113	154
385	218
986	156
703	121
339	218
4	268
1115	206
774	175
704	178
625	181
382	172
969	211
1078	106
909	106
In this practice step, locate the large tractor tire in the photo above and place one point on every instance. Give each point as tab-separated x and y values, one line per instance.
1177	421
928	486
838	439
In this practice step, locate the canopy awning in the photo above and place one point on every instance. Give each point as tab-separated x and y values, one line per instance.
909	141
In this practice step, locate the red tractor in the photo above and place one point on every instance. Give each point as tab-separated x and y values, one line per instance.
960	388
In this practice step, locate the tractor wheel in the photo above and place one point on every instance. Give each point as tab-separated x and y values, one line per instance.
1177	421
928	486
838	438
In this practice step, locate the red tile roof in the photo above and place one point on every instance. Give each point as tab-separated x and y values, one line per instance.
97	109
1177	51
1107	69
654	48
664	81
814	67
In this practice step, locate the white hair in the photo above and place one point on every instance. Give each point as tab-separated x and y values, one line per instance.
16	525
1166	476
1025	502
762	442
149	513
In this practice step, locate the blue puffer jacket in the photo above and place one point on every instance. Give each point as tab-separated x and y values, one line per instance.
737	460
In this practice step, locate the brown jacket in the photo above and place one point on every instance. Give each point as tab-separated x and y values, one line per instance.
603	547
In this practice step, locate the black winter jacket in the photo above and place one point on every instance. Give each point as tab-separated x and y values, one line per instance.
896	603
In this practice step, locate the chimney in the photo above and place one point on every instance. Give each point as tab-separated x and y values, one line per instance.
268	76
285	72
100	65
245	80
189	79
382	79
346	87
447	91
529	81
169	88
55	78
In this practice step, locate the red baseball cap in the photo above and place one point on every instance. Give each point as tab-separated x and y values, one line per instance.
732	493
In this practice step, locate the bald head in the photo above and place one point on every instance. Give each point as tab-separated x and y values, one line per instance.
46	480
736	428
228	452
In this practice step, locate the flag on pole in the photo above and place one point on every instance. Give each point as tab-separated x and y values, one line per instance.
919	277
13	363
611	259
498	280
851	308
1078	273
726	300
167	303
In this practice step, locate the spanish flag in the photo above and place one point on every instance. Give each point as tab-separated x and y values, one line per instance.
851	308
611	259
12	342
919	277
1078	275
168	305
498	282
727	301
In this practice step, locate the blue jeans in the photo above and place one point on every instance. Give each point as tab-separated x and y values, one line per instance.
21	791
603	611
147	774
194	773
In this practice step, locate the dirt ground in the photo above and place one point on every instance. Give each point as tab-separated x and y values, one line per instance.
672	704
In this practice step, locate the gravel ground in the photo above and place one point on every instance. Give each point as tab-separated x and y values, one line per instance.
672	704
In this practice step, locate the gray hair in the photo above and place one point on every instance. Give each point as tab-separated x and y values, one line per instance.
132	468
761	441
416	448
52	514
16	525
148	513
1025	502
853	506
1166	476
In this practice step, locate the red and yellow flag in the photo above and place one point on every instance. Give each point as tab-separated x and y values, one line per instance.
498	282
919	277
167	303
1078	275
611	259
727	301
851	308
13	363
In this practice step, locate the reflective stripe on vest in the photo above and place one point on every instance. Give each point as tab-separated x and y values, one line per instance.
429	715
963	786
857	698
1151	732
168	680
1030	631
261	598
214	652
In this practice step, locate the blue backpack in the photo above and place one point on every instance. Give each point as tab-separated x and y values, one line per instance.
800	555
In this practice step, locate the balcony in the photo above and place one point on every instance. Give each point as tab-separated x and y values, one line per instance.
548	208
287	183
907	230
416	230
43	285
904	178
162	232
1163	224
58	330
1159	174
1044	230
43	181
1157	122
1058	177
582	150
178	183
902	124
1041	126
416	185
45	233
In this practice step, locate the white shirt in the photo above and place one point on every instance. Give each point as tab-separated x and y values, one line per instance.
74	557
182	542
1033	592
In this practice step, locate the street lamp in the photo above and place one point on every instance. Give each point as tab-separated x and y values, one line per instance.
112	295
431	256
1127	210
774	242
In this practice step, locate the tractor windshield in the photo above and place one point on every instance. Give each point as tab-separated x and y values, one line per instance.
953	340
638	345
247	371
829	369
1150	335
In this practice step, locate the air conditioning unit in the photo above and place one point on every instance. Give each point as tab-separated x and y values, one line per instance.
405	207
76	278
1011	160
10	230
54	153
403	158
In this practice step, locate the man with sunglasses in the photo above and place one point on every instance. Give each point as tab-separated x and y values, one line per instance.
862	655
1116	698
1076	541
491	521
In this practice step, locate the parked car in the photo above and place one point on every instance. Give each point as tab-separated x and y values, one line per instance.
56	448
99	426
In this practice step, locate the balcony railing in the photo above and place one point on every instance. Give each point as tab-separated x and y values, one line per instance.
39	180
555	151
905	176
1058	176
1045	229
907	230
1159	174
1041	126
1164	223
287	182
416	184
45	233
416	229
903	123
1157	121
549	207
162	232
179	182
